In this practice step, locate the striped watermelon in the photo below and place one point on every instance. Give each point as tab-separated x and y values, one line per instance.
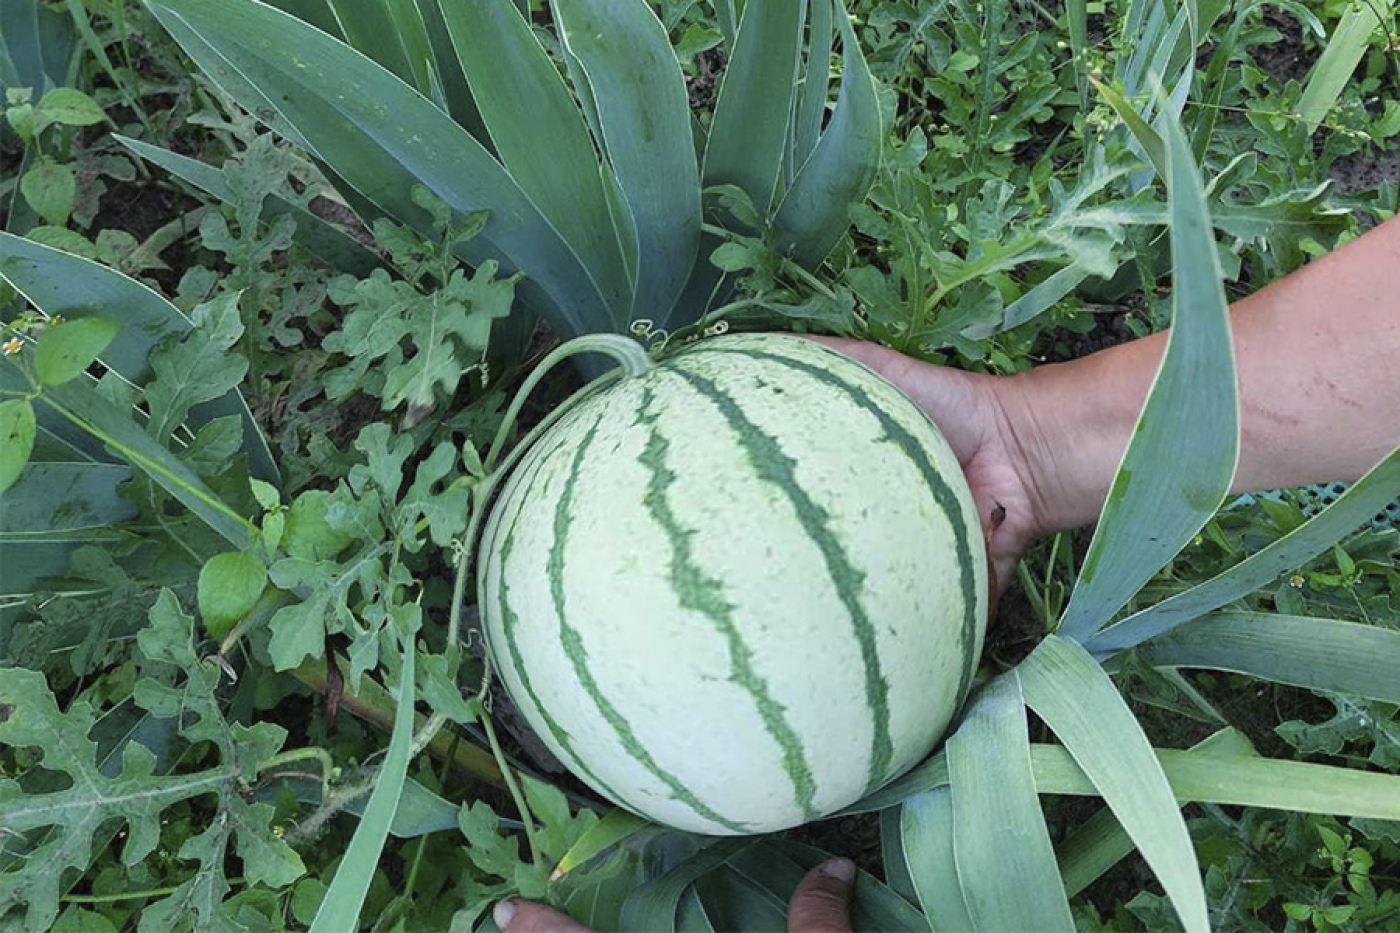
740	591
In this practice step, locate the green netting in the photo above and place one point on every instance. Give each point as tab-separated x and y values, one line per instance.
1313	499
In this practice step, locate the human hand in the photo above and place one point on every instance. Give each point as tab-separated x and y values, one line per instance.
978	415
821	904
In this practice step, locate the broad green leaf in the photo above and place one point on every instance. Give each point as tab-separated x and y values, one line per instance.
51	189
81	404
1344	51
612	829
339	102
59	283
1354	508
229	587
1070	691
16	443
643	115
999	831
1191	416
653	905
926	827
1100	842
549	155
815	211
340	250
340	910
64	351
1318	654
69	107
753	110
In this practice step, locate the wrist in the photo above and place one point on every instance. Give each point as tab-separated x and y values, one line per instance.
1068	424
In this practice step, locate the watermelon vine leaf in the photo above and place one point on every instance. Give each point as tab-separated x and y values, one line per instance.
66	820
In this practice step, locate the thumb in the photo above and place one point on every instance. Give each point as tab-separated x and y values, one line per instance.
822	901
526	917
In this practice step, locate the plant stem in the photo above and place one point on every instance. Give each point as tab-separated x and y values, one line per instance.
128	895
513	786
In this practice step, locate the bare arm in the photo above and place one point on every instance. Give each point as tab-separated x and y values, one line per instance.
1318	362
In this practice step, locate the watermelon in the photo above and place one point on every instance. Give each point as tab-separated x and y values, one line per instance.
740	591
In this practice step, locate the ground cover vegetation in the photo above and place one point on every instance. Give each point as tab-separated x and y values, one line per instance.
286	289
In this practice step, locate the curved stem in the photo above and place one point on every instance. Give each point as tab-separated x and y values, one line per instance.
633	360
630	355
514	787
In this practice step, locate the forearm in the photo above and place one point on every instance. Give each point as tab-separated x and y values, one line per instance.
1318	363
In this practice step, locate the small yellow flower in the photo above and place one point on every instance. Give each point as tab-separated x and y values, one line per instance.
57	320
1296	581
12	346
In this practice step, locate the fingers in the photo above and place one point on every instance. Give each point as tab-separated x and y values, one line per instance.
822	901
526	917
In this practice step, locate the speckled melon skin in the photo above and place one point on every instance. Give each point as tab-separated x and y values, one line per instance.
740	591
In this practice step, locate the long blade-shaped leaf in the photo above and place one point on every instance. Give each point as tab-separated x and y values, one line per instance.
548	153
64	497
1155	507
383	138
1100	842
1195	776
80	403
1353	508
52	510
926	827
340	908
36	46
815	212
371	27
893	856
1319	654
1343	53
777	865
816	83
653	905
59	283
643	114
998	829
749	132
1070	691
733	902
612	829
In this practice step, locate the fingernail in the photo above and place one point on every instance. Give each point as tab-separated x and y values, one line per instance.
503	913
842	869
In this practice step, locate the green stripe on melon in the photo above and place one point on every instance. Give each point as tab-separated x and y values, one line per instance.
740	590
